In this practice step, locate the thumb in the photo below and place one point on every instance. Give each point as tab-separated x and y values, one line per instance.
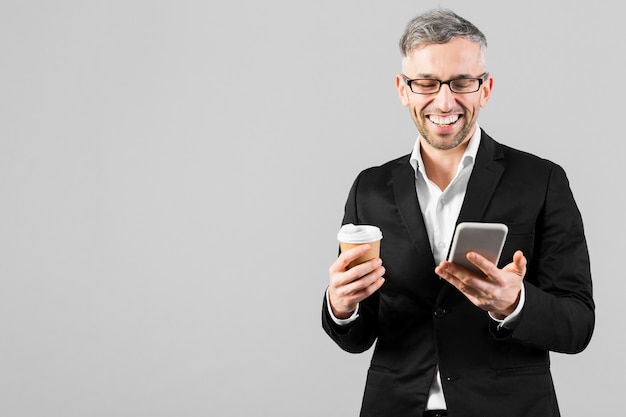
520	262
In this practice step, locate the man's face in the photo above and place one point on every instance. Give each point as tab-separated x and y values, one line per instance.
444	119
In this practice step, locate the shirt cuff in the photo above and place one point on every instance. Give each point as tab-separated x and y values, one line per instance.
510	321
341	322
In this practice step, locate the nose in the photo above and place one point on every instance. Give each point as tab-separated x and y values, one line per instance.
444	98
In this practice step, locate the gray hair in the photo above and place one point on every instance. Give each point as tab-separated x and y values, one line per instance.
440	26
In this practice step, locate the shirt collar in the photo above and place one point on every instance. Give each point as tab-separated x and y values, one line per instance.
469	156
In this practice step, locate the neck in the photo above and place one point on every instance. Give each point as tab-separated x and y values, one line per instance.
441	165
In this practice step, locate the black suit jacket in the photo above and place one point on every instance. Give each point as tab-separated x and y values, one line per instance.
418	320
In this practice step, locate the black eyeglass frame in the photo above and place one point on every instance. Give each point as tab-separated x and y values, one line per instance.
480	80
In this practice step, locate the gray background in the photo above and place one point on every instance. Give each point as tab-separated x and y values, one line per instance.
173	174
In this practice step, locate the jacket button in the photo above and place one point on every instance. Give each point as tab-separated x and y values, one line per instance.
440	312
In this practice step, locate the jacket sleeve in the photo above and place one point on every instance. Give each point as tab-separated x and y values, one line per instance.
359	335
558	314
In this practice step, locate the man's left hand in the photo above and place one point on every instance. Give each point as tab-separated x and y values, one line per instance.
497	292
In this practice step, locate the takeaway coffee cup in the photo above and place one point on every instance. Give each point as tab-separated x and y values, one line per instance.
351	235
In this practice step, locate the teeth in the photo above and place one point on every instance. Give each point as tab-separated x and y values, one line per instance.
448	120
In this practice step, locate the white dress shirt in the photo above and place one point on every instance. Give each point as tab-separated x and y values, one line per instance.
440	210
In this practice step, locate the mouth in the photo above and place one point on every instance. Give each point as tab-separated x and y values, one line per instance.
444	120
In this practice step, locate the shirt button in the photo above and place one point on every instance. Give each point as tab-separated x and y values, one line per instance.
441	245
440	312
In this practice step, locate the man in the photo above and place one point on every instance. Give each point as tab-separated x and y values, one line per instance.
449	342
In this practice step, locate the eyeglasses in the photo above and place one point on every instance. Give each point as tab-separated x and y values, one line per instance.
457	86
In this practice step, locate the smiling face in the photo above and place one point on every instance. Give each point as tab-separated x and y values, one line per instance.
444	119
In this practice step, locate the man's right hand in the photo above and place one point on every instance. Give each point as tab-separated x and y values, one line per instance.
348	287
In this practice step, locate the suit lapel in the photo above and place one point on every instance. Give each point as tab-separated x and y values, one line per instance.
408	206
486	174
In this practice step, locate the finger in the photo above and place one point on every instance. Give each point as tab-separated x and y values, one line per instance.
344	259
356	291
344	277
520	262
485	265
463	285
452	272
364	287
350	303
371	289
463	280
360	275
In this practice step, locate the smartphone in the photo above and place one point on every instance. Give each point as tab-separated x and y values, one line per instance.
486	239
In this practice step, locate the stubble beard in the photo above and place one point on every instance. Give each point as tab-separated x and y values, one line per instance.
443	144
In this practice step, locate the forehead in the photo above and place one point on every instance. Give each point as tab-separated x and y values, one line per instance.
457	57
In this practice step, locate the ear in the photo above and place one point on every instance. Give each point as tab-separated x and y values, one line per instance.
403	90
485	91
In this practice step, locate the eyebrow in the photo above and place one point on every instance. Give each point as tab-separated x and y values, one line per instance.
432	77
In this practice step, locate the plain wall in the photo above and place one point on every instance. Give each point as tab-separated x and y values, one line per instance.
173	175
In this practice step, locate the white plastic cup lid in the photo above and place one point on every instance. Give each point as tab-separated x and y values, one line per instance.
351	233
